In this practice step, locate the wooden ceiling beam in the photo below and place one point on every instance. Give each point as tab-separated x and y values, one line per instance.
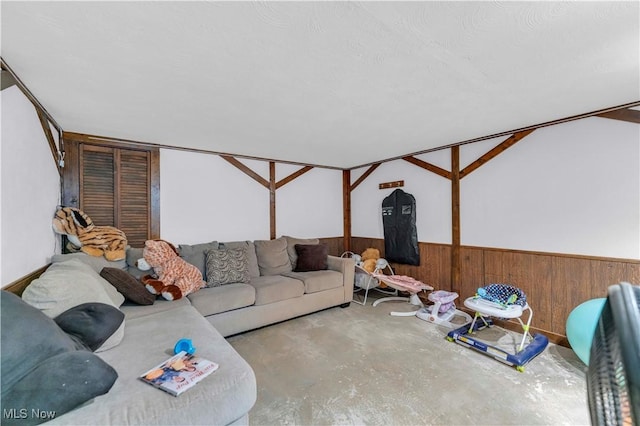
627	114
428	166
247	171
364	176
52	143
292	176
497	150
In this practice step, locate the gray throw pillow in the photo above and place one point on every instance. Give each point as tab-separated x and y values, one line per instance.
196	255
42	368
273	258
227	266
252	260
291	247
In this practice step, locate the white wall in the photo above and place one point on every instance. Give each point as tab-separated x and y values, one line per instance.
570	188
311	205
204	198
30	189
432	193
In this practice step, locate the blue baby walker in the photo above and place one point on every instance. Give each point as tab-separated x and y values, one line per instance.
500	301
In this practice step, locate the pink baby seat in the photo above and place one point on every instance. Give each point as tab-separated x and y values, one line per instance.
443	309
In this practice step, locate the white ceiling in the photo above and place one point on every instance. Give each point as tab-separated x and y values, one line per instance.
328	83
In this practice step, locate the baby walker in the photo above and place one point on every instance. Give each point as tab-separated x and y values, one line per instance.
443	309
501	301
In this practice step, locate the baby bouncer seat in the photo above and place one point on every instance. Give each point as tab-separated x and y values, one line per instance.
443	309
506	302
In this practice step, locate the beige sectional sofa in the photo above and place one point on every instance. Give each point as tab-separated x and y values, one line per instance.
274	292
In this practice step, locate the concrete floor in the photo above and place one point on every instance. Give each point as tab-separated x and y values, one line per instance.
360	365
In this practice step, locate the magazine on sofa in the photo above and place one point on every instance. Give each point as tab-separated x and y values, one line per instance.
179	373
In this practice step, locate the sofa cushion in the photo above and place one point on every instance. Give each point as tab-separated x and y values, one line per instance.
273	258
222	398
211	301
274	288
196	255
291	247
42	368
92	324
311	257
315	281
252	259
67	284
227	266
132	289
132	311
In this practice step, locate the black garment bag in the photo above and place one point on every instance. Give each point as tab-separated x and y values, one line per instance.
400	234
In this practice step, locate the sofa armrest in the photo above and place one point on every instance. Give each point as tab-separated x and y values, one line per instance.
346	266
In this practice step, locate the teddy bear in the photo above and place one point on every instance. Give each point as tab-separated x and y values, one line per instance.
369	257
174	277
83	234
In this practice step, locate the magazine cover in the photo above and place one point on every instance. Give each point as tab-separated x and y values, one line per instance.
179	373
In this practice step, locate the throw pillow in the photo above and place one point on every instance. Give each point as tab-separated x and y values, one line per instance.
311	257
272	256
91	324
42	368
252	260
227	266
67	284
197	255
291	247
128	286
97	263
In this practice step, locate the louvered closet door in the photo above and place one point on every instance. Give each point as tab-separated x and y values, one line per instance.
114	189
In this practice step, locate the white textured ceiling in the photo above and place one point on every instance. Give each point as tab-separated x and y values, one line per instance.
329	83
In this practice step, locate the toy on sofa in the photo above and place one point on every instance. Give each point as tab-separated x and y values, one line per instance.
175	278
83	234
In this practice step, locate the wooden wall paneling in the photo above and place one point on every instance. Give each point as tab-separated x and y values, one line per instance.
571	281
605	274
632	273
435	265
472	272
335	245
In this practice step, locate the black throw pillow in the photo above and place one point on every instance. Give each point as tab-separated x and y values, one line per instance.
128	286
90	323
311	257
41	366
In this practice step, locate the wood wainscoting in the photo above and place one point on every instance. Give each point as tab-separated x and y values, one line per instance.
554	283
